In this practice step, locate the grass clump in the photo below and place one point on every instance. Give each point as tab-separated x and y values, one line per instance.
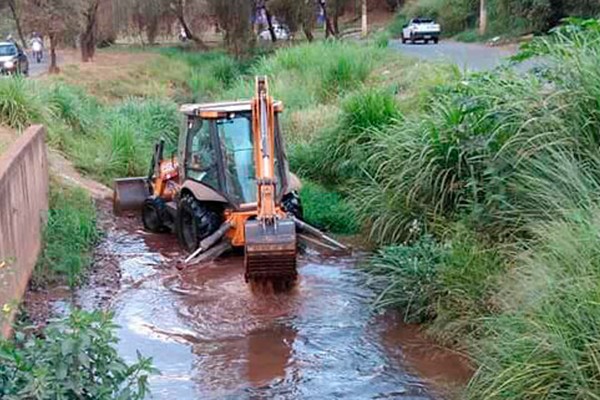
545	340
75	358
19	105
69	236
448	283
327	210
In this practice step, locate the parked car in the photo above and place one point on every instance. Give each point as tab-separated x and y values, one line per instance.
13	59
281	33
425	29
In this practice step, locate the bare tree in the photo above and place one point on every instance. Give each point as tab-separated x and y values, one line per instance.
182	9
234	17
14	10
88	37
59	19
297	14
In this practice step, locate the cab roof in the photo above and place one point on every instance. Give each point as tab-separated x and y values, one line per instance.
216	110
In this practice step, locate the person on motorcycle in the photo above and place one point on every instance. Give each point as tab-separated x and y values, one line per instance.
37	47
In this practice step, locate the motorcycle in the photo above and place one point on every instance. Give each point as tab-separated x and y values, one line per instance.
38	52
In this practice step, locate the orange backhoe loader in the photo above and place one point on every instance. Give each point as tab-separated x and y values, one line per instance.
229	187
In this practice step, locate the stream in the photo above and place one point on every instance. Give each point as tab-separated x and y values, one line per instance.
213	337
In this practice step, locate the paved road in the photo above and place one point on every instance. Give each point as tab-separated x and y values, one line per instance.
36	69
470	56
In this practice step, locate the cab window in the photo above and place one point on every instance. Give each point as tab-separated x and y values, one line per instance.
201	164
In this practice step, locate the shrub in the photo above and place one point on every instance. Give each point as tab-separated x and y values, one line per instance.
75	359
545	342
68	237
327	210
447	283
19	105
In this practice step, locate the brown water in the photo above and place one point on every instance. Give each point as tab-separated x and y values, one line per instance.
212	337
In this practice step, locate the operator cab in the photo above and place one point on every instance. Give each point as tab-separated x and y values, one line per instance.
216	150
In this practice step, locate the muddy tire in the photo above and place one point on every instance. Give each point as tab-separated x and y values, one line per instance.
153	213
195	222
292	204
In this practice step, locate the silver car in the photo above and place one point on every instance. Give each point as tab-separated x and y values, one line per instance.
13	59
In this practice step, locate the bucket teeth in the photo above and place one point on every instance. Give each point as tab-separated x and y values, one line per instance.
271	251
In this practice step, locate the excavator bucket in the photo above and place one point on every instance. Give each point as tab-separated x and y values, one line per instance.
130	194
271	251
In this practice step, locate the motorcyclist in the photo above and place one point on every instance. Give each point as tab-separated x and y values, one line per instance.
37	46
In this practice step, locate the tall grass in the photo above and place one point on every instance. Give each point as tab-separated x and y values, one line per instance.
19	105
68	237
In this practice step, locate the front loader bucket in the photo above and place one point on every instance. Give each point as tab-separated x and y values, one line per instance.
130	194
271	251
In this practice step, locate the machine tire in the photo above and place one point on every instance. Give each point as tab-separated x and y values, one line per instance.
436	41
152	215
195	222
292	204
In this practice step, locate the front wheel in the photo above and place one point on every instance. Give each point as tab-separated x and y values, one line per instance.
195	222
153	215
436	40
292	204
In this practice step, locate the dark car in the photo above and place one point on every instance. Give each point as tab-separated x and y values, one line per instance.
13	59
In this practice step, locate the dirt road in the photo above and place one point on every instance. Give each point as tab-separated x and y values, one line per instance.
469	56
37	69
213	337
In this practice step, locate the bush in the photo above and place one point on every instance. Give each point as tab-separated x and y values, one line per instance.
545	342
448	284
68	237
75	359
327	210
19	105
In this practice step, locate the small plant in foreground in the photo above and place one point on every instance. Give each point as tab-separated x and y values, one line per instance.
74	359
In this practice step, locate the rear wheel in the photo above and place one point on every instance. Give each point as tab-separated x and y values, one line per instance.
195	222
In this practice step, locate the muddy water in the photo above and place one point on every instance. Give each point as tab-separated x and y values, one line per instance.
213	337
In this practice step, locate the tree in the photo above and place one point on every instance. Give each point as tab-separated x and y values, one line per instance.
60	20
296	14
235	18
14	10
482	17
90	26
184	8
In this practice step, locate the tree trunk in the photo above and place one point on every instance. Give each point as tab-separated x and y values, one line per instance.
270	24
180	14
53	64
308	33
88	37
13	9
482	17
152	30
364	22
328	25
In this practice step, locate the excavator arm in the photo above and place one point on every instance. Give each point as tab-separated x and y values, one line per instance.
270	252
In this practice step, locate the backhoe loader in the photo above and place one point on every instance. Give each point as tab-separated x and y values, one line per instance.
229	187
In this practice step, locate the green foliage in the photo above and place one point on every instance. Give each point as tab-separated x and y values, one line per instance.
448	283
19	105
68	237
75	359
545	340
397	25
327	210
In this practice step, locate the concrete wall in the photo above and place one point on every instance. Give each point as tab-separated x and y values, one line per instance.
23	211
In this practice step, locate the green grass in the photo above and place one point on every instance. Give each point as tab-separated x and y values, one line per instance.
19	105
68	237
327	210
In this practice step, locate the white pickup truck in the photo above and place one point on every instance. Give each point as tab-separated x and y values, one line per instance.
421	29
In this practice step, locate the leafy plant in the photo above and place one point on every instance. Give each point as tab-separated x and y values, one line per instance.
75	359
